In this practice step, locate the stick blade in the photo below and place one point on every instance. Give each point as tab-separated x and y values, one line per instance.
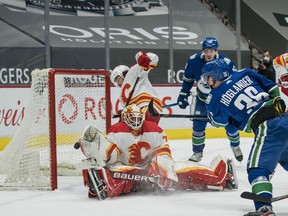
255	197
151	108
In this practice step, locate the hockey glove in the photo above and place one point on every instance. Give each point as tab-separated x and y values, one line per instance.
183	99
143	60
203	90
268	112
279	105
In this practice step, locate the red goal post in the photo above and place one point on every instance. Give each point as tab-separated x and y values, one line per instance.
63	102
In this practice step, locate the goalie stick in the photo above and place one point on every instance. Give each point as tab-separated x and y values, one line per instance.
259	198
129	98
153	113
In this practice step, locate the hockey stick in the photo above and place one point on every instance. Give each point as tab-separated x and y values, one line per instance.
169	105
173	104
259	198
153	113
129	98
114	115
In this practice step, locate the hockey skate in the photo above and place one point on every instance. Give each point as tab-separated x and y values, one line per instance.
232	181
237	153
263	211
196	157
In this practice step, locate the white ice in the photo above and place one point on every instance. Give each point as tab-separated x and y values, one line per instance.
71	196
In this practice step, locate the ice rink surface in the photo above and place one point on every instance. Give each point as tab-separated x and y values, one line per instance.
71	196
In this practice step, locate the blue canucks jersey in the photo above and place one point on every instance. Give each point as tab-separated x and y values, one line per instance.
236	99
193	69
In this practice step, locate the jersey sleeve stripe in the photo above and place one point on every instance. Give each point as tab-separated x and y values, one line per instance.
110	149
279	60
144	99
162	150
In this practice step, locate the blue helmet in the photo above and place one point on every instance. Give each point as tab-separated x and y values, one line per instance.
210	43
217	69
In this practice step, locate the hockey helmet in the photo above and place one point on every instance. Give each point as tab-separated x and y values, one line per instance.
133	116
121	71
210	43
217	69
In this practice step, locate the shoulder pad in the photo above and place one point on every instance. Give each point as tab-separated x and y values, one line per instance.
202	56
193	56
227	60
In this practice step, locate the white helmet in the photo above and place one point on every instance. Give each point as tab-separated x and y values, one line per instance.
133	116
118	71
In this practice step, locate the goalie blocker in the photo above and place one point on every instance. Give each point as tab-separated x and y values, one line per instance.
113	180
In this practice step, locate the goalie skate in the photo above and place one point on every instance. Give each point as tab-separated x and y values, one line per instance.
97	188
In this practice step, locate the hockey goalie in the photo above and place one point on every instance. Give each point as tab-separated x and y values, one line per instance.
135	156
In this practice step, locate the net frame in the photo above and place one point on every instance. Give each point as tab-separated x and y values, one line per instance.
52	111
52	121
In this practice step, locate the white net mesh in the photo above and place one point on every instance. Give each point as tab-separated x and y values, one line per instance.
79	101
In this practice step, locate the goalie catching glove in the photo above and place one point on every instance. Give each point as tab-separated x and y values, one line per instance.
94	146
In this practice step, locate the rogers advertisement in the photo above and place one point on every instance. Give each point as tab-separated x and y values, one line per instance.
15	100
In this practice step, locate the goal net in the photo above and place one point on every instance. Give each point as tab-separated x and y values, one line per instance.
63	102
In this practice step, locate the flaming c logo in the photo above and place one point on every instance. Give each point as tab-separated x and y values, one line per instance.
125	92
135	153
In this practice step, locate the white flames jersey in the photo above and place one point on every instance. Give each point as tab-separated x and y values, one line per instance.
144	91
139	148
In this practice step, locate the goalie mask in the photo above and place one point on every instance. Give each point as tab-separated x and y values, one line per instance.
133	116
120	71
